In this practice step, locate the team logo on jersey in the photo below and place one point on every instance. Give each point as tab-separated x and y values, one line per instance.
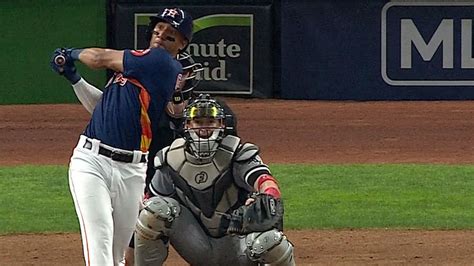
117	78
179	82
201	178
255	160
140	52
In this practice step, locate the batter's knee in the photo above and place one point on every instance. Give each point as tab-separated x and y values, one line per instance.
270	247
156	217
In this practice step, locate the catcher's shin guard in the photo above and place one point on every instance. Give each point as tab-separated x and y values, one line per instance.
155	219
152	228
150	252
270	247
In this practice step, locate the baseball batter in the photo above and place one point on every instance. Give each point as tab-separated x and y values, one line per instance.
108	165
200	199
171	122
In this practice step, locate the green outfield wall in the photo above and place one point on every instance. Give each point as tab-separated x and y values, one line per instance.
30	31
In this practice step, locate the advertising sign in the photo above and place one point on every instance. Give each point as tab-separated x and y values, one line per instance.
232	43
377	50
427	44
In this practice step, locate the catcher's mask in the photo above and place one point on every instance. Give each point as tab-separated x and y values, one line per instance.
185	88
204	126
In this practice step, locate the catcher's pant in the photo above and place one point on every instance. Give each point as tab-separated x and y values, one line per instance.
107	195
193	244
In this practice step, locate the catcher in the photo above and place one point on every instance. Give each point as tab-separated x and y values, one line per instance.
212	198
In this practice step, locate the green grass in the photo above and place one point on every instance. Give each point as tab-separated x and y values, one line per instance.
37	198
378	196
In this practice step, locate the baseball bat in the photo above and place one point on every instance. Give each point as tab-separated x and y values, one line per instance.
60	60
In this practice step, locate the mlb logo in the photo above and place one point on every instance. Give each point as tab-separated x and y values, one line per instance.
427	44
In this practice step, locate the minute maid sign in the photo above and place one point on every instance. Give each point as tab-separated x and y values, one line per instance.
223	44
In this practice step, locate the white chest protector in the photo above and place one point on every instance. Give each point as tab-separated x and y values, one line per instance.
208	188
200	174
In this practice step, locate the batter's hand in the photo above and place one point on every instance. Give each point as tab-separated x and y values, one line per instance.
62	63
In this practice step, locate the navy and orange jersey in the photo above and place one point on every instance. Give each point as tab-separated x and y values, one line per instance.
128	114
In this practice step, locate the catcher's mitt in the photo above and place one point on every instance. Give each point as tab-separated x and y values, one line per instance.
263	214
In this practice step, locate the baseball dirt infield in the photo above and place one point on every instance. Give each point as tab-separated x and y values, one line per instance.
301	132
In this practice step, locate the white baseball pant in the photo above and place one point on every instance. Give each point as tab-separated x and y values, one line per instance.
107	195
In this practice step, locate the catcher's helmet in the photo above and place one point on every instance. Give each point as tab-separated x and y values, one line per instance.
178	18
204	126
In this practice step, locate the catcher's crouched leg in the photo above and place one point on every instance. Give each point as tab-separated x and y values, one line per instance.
152	229
270	247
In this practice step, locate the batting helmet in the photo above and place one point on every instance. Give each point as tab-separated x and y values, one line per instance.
176	17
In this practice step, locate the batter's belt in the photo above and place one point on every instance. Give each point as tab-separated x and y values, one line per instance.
116	155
